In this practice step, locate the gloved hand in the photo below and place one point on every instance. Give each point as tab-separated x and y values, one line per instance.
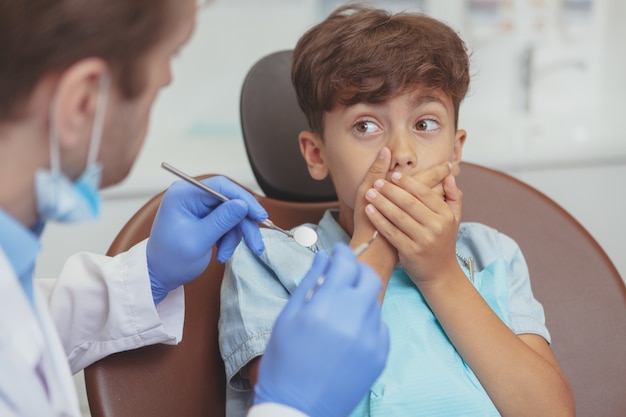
326	352
187	225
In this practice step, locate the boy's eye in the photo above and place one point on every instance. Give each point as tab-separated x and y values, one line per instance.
426	125
365	126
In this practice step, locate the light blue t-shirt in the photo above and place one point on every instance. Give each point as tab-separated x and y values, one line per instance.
424	375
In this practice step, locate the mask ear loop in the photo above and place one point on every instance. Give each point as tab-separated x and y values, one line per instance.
96	133
54	140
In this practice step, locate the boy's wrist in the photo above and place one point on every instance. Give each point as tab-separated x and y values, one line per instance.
442	285
381	256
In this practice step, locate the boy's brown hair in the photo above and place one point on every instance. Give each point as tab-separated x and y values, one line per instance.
365	55
38	37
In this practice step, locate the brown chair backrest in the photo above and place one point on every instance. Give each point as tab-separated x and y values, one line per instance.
582	293
187	379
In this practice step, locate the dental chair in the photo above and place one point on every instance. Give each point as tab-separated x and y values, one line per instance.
187	379
583	295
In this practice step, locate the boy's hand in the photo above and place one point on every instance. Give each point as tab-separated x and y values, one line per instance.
412	215
382	256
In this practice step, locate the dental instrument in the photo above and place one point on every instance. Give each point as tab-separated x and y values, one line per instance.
302	235
357	251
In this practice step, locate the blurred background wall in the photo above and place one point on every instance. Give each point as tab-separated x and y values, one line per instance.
545	105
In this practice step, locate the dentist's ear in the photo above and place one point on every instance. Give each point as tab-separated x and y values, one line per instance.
312	149
75	101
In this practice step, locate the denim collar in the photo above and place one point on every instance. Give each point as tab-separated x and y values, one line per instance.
330	232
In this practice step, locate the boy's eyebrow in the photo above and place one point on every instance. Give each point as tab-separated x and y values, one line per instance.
420	99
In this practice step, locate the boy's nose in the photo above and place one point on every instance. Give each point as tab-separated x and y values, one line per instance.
403	155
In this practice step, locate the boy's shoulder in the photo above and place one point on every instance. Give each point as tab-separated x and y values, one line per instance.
282	259
485	244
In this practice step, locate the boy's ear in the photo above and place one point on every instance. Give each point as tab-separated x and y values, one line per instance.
459	141
311	147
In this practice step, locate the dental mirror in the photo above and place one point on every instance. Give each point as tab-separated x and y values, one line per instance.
305	236
302	235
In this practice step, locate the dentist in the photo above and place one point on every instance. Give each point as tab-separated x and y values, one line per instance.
78	79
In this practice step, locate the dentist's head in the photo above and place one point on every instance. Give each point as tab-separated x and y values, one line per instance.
77	83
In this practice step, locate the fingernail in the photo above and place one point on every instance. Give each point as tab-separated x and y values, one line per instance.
396	176
370	208
379	184
371	194
382	153
450	166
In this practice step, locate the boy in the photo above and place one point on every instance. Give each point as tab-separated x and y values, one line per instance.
382	94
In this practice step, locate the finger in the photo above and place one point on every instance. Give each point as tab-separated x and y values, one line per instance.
434	175
413	189
225	217
403	218
233	191
456	169
454	196
368	284
252	236
394	235
227	244
366	310
341	273
309	283
403	207
196	201
379	167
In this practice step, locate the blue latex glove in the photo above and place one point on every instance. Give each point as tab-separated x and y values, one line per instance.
325	353
187	225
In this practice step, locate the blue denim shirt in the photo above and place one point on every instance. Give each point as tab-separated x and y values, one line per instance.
424	374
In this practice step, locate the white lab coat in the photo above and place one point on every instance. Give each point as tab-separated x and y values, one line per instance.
99	305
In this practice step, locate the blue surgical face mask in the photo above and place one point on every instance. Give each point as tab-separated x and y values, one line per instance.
58	198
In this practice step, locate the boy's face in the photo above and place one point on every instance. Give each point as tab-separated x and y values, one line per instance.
417	127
